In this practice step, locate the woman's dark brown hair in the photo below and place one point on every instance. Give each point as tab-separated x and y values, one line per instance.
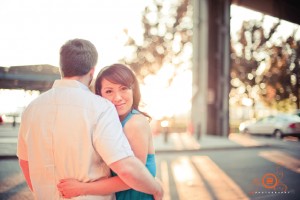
123	75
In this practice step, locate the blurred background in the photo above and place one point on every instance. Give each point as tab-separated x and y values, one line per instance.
214	74
204	66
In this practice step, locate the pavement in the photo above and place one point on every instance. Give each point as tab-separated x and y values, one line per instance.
174	142
188	142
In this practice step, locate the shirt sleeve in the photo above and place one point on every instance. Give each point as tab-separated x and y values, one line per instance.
109	139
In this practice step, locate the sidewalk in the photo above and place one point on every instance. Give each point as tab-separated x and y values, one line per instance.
175	142
187	142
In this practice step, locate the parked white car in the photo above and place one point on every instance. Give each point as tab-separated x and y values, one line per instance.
278	126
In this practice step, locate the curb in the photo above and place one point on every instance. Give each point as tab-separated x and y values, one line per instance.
175	151
211	149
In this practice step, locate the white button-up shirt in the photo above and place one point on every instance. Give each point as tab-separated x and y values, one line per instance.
69	132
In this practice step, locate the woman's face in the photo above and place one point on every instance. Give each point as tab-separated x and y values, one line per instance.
120	95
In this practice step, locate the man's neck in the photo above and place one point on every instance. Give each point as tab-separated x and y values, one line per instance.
82	79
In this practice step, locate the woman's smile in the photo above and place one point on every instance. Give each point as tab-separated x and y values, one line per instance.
120	95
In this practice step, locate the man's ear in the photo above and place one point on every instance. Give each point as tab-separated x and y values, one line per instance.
92	71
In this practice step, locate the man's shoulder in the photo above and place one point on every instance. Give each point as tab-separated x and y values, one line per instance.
99	103
98	99
40	97
84	98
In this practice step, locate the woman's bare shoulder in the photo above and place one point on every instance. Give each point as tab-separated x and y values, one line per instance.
138	121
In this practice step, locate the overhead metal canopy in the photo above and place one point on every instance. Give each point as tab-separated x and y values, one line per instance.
29	77
283	9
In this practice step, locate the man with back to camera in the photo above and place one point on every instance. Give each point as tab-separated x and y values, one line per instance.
70	132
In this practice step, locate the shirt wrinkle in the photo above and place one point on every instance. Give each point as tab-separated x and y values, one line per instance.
75	140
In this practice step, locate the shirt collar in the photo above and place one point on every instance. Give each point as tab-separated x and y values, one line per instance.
69	83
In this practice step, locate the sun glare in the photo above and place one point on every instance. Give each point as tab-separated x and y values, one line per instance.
47	24
164	100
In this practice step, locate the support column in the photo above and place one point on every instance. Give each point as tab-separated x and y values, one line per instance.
200	67
211	67
219	67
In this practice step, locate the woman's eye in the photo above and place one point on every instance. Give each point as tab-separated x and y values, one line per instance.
108	92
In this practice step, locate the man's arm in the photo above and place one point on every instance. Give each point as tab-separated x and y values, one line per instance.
134	173
25	169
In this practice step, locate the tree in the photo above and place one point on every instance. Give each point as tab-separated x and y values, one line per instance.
283	77
265	67
166	40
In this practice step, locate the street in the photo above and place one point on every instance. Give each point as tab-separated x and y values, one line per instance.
256	173
270	171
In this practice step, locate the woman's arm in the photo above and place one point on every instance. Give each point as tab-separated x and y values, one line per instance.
72	187
137	131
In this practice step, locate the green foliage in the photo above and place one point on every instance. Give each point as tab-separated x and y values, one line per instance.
167	37
268	66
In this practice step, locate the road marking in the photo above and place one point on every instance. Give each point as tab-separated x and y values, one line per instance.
282	159
189	141
221	184
24	194
176	140
189	184
165	179
243	140
11	182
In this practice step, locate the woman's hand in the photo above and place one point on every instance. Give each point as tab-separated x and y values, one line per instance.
159	196
69	188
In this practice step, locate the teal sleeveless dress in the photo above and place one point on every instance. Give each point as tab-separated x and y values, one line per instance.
151	166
